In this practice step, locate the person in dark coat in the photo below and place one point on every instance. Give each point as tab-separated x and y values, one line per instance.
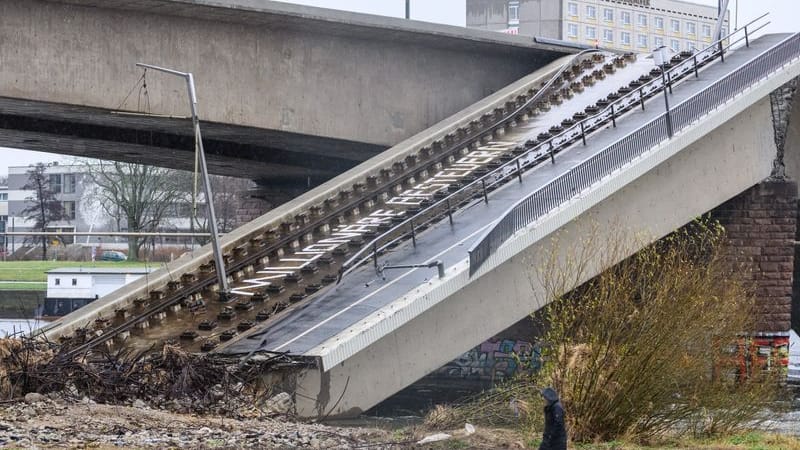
555	430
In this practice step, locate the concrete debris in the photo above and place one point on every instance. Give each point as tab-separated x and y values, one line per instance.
33	397
280	404
469	428
434	438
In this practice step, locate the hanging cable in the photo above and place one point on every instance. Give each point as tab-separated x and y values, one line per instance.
135	85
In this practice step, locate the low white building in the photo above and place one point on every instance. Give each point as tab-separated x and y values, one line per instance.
71	288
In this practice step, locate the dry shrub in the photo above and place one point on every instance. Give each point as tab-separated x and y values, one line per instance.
648	345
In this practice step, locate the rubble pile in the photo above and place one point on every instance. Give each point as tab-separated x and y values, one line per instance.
167	377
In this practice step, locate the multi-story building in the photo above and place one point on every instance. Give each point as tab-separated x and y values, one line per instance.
628	25
82	211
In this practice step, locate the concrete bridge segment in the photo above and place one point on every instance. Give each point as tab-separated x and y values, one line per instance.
287	93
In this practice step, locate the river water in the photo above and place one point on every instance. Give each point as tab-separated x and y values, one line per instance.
11	326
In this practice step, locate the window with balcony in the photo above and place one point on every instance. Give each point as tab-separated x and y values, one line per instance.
572	30
513	13
608	35
642	40
659	23
625	38
608	14
675	25
591	33
591	12
572	9
625	17
642	20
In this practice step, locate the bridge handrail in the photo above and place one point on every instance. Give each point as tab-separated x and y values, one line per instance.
364	252
386	240
587	173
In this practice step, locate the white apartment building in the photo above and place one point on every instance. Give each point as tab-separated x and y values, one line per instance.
627	25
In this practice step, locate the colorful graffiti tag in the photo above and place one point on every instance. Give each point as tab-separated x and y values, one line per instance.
493	360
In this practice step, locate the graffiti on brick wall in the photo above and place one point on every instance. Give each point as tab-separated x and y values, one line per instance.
763	353
493	360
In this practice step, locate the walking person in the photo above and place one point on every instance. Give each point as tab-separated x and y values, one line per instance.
555	430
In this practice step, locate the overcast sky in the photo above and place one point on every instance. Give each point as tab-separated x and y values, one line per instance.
453	12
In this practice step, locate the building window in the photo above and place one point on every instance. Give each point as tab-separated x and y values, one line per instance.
608	35
513	13
572	9
57	282
642	38
707	31
608	14
642	20
591	12
572	30
74	281
675	45
55	183
689	46
4	196
69	210
625	17
658	42
724	31
659	22
591	33
70	180
675	25
625	37
691	28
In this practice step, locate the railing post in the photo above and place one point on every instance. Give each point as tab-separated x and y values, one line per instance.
583	131
746	37
552	155
721	52
413	235
666	101
613	116
449	212
696	74
485	196
375	255
519	171
641	100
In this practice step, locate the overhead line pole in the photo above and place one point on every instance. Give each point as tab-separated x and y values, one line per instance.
218	260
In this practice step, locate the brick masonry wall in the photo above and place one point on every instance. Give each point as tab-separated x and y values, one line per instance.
761	224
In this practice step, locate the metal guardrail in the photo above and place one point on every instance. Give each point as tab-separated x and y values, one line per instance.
622	152
389	238
535	154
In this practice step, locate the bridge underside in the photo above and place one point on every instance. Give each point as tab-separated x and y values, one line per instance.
270	157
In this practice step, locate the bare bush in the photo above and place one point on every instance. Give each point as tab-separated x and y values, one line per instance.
649	345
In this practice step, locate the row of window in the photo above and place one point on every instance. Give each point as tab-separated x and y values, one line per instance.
58	282
642	40
625	17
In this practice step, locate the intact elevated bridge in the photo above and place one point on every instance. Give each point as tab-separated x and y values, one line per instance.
289	95
431	242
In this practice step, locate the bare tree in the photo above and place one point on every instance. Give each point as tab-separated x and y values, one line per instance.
44	207
228	194
137	195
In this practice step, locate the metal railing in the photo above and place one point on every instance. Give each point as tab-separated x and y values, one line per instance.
622	152
409	226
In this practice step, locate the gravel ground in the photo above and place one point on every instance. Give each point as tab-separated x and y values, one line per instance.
56	424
